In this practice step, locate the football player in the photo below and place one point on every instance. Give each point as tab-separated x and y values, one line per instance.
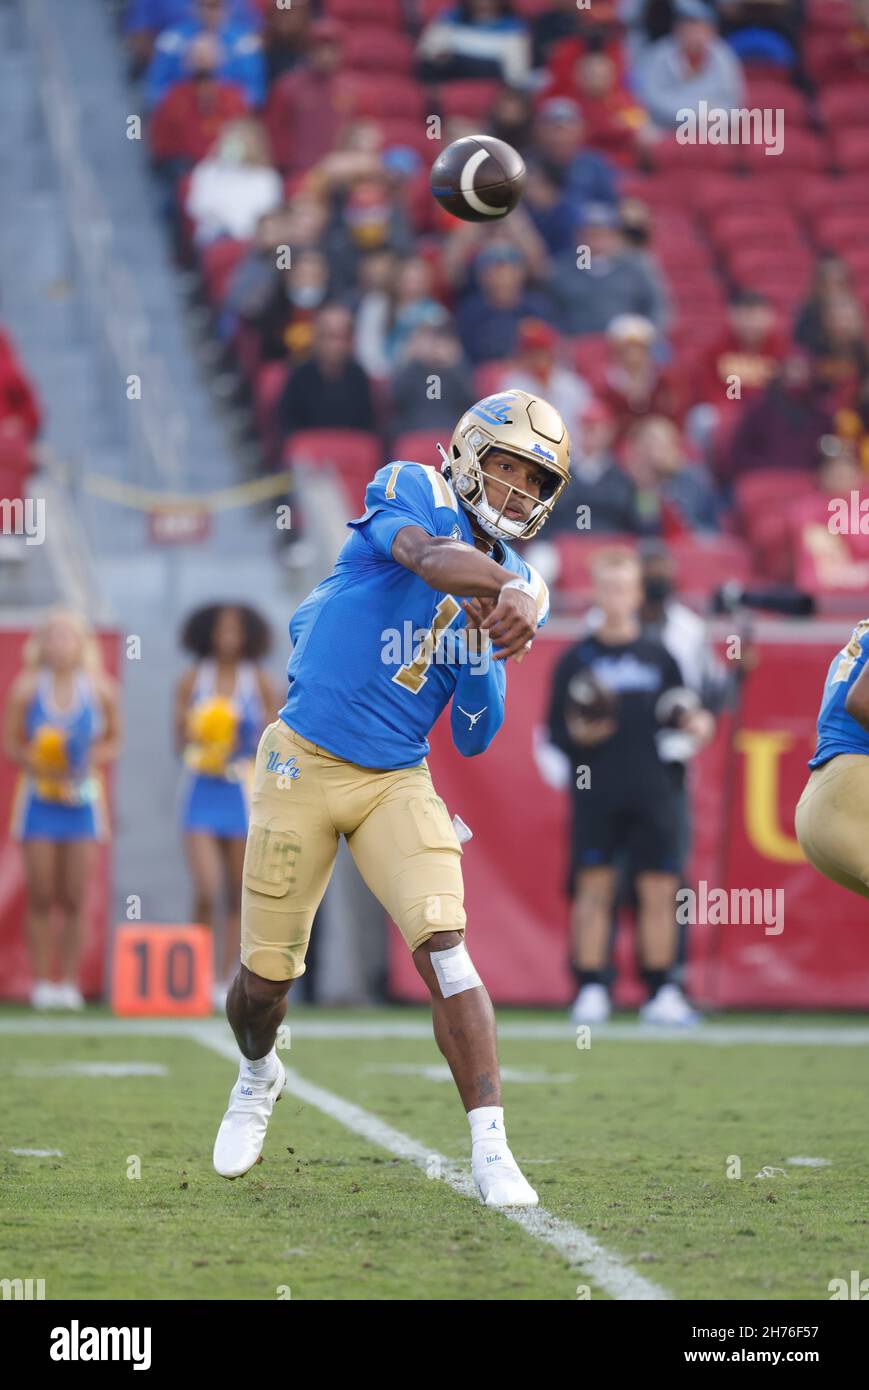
833	812
346	756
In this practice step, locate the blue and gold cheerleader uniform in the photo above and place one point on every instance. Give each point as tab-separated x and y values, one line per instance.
70	807
223	733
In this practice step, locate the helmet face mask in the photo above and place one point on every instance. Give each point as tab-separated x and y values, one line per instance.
521	425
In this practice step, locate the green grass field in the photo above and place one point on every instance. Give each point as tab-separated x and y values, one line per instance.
630	1141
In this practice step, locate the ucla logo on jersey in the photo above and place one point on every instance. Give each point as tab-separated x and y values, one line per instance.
495	410
283	767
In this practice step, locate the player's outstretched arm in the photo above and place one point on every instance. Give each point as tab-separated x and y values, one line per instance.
477	710
453	567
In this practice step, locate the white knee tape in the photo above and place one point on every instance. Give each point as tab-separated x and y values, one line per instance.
455	970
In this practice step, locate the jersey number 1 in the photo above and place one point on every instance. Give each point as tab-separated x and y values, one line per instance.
413	676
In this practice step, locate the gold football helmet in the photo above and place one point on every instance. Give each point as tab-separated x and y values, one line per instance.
512	422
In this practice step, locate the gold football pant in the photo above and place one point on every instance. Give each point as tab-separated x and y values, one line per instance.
398	831
832	821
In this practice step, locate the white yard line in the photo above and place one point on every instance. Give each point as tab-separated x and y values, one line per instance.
602	1267
337	1030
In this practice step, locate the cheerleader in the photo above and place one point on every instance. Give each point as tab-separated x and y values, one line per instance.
222	704
61	726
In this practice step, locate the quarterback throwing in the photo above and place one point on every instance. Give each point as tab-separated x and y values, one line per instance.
346	755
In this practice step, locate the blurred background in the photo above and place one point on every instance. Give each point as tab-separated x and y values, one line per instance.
227	297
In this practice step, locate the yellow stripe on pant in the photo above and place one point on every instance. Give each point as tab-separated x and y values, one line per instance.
398	831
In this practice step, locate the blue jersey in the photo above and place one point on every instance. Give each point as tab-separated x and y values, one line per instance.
838	731
377	653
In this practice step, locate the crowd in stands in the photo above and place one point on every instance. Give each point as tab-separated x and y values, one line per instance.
716	331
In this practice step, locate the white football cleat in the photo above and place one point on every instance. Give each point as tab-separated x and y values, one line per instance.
591	1005
670	1009
498	1179
69	996
242	1132
44	995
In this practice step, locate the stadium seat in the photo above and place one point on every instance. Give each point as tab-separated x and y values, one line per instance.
420	446
705	562
472	98
400	96
268	387
756	226
851	149
844	106
668	156
378	50
757	495
838	231
574	555
388	13
802	150
218	262
354	456
778	95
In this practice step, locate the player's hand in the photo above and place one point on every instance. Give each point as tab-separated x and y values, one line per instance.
476	610
700	724
512	623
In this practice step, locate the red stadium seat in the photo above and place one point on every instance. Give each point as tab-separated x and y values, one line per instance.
268	387
778	95
801	150
838	231
704	563
764	493
844	106
378	50
400	96
489	377
467	98
420	446
851	149
754	227
219	260
668	156
830	15
388	13
352	455
575	554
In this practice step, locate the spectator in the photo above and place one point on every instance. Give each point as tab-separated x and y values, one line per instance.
386	318
832	277
488	318
145	19
537	370
615	280
614	120
825	556
232	188
563	176
432	350
241	59
306	108
673	495
634	384
285	36
511	117
20	415
366	216
188	119
691	66
603	490
285	324
330	391
736	369
781	428
768	30
476	38
561	38
842	361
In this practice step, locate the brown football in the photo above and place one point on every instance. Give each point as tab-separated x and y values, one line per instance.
478	178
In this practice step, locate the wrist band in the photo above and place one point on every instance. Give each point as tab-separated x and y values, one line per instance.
522	585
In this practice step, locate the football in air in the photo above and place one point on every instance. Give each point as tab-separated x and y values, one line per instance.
478	178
